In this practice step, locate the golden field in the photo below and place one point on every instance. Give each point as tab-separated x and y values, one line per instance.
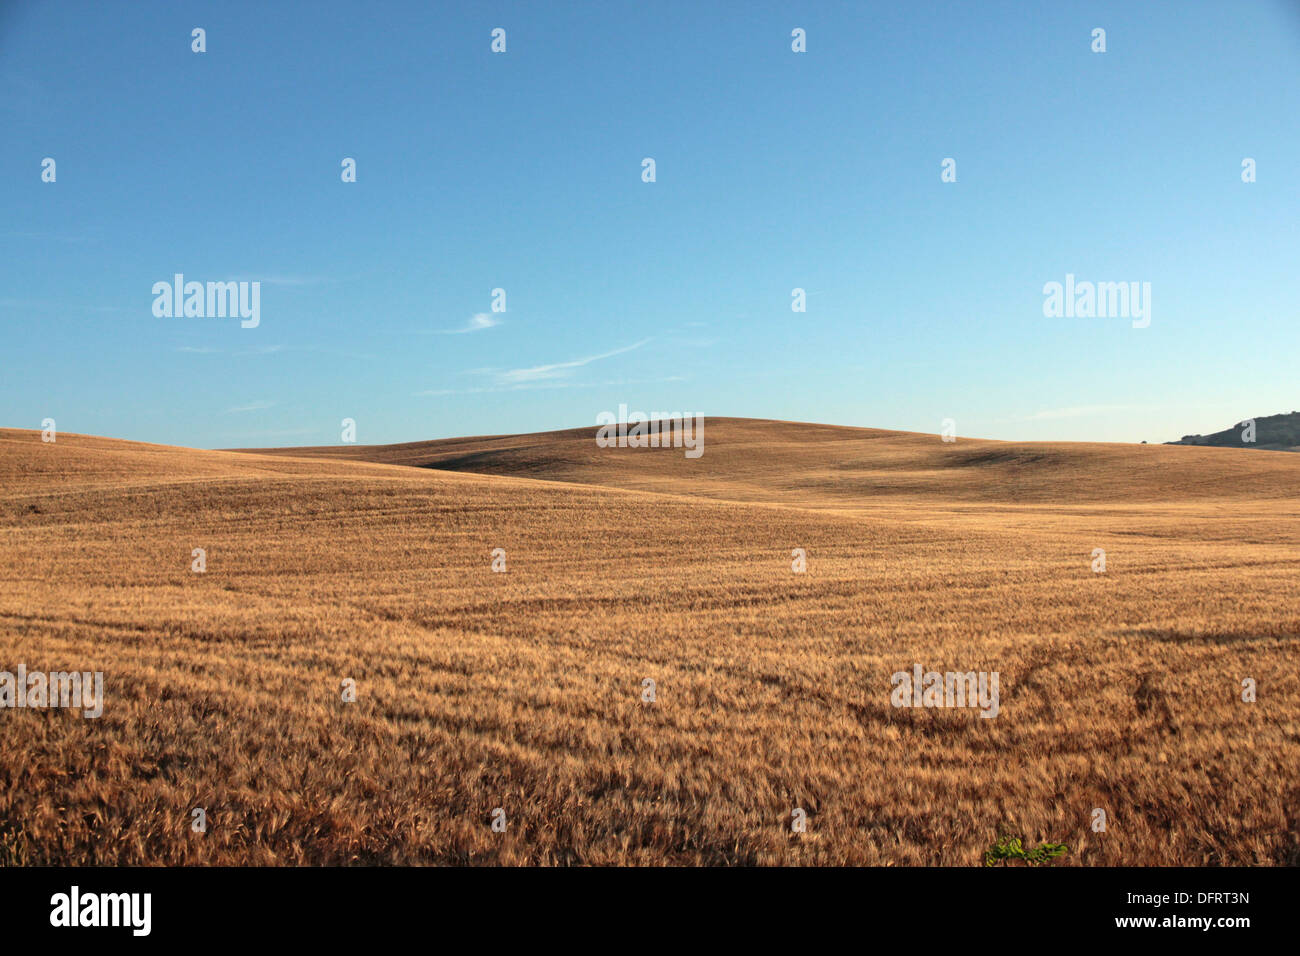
522	690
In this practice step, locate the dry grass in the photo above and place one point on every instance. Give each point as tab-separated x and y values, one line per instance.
829	466
522	690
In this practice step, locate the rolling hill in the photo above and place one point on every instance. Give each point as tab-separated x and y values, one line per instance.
1272	432
828	466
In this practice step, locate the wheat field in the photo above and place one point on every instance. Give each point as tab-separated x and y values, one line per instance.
522	690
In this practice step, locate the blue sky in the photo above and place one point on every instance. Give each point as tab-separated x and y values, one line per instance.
522	171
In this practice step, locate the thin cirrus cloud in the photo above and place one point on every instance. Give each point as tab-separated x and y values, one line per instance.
1077	411
272	350
536	376
558	369
612	383
477	323
285	280
1086	411
250	407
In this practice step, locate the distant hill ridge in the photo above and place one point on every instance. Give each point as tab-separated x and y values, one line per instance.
1272	432
832	466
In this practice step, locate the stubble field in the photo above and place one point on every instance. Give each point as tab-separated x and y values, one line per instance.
522	690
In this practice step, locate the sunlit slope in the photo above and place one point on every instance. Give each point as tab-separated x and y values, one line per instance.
85	463
826	465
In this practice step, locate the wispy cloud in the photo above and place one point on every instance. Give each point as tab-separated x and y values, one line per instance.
1077	411
477	322
85	235
1085	411
271	350
289	280
250	407
534	386
241	353
274	433
49	305
516	376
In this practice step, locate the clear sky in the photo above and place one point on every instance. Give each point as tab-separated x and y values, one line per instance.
523	171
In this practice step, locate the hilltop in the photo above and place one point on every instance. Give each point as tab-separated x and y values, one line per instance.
1272	433
835	466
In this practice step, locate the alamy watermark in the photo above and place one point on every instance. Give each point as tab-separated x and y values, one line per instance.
39	689
923	688
212	300
656	430
1102	300
75	908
